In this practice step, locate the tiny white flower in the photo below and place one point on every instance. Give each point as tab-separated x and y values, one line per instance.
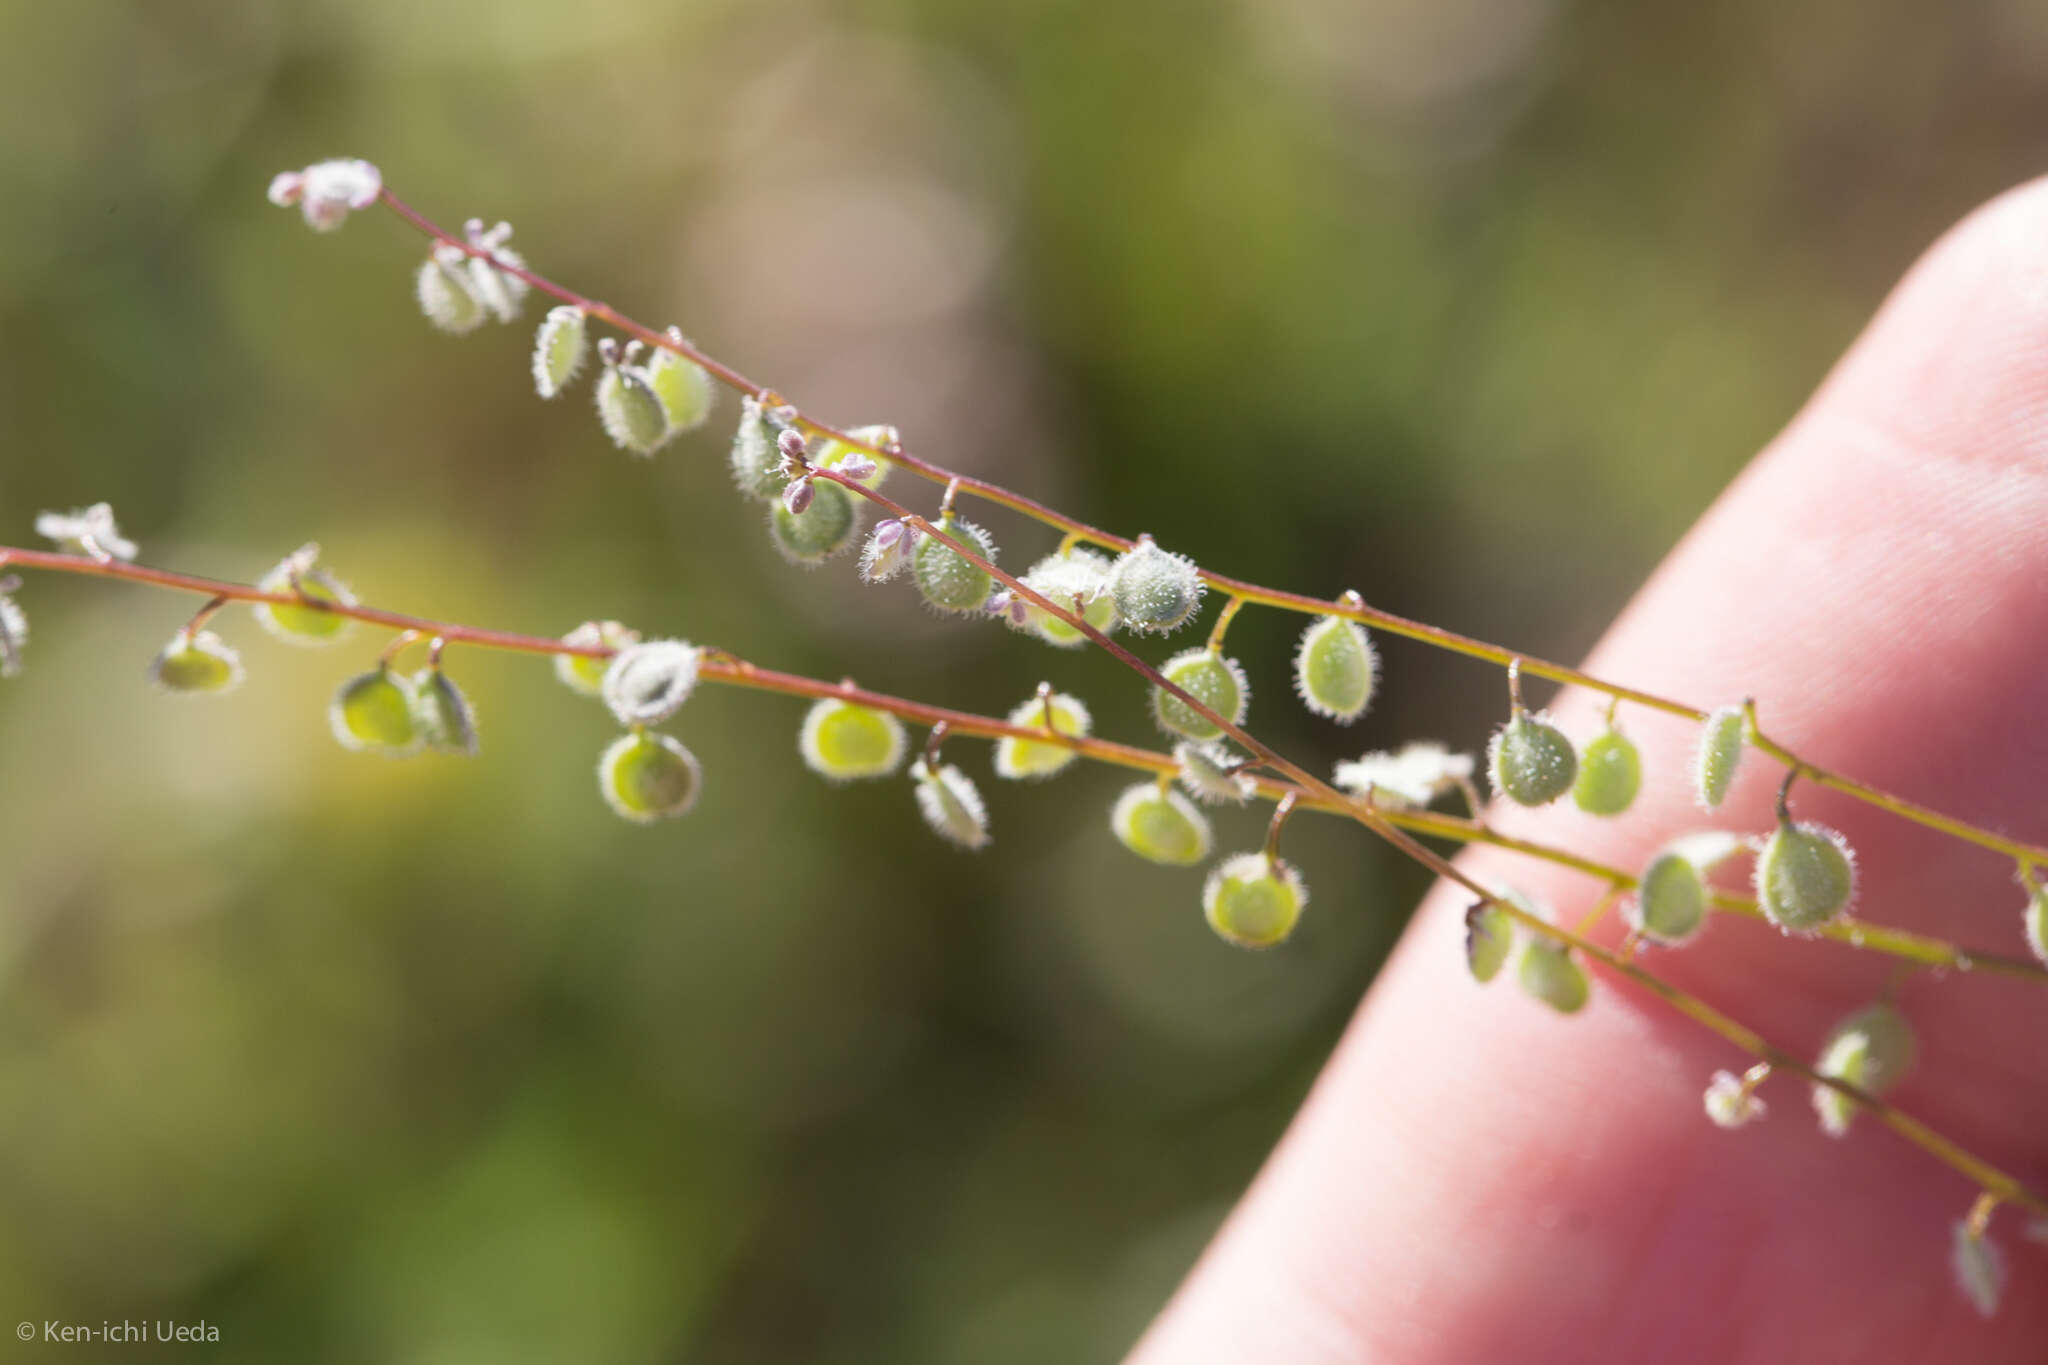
86	531
1729	1104
1413	776
327	191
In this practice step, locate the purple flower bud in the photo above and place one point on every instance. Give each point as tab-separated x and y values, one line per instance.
1003	602
856	467
887	533
791	444
887	552
797	497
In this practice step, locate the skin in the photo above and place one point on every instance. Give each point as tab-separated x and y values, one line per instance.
1476	1179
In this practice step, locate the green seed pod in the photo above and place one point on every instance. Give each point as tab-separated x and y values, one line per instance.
645	777
1531	761
951	804
442	714
196	661
1872	1050
1670	904
1805	876
1207	773
1489	938
1160	825
304	625
1155	591
685	388
649	682
1610	774
821	530
1722	736
1551	974
373	712
629	411
881	437
1978	1267
1064	577
841	741
1336	669
948	582
2036	920
1218	683
1252	900
444	295
560	347
1022	758
756	459
586	675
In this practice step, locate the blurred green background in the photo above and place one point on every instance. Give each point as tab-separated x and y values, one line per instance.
1469	304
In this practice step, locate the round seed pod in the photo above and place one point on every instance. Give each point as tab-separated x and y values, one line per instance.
1077	573
1551	974
644	777
442	714
821	530
560	346
1154	590
1805	876
1160	826
1531	761
1670	904
756	460
2036	921
1489	938
881	436
1205	772
445	298
684	388
1252	900
304	625
586	675
1336	668
648	682
372	712
951	804
1219	684
1872	1050
1022	758
1610	774
196	661
947	582
1722	736
841	741
629	411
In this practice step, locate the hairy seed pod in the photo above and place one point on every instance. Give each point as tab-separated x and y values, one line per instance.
1336	668
1073	575
372	712
2035	920
89	531
13	632
1979	1268
756	456
1722	736
951	804
196	661
304	625
1489	938
1610	774
1531	761
1670	904
645	777
1155	591
685	388
560	347
826	525
1160	825
444	295
1209	773
842	740
1805	876
1252	900
586	675
1872	1050
649	682
629	411
442	714
1553	975
947	581
1023	758
1217	682
882	437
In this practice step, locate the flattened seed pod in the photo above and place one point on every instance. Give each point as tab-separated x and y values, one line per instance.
644	777
443	715
1253	901
1610	774
373	713
824	528
1722	735
1077	574
444	296
1160	826
1872	1050
648	682
586	675
756	460
1531	761
1217	682
629	411
1155	591
303	625
684	388
951	804
946	581
1489	938
1336	669
1670	904
1022	758
560	346
1553	975
1805	876
196	661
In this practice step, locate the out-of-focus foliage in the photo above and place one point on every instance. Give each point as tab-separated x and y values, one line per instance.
1469	305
